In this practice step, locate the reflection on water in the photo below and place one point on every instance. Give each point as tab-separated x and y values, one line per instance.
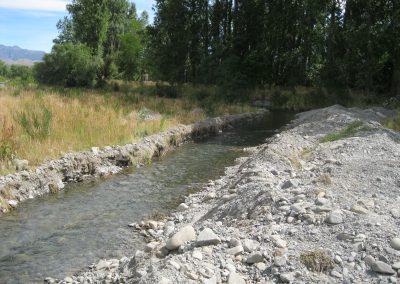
60	233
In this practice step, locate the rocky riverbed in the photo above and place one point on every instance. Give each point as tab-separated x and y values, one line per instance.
299	209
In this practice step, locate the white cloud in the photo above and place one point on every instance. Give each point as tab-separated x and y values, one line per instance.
39	5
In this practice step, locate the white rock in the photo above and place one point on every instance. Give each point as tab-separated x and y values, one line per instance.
335	217
174	264
12	203
197	255
250	245
395	243
183	207
396	265
261	266
102	264
235	278
184	235
395	212
20	165
382	268
151	246
235	250
359	209
280	243
207	237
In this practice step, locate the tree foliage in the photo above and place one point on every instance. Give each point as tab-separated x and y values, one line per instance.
109	32
69	65
248	43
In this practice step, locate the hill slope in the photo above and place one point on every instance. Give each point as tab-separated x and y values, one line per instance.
15	54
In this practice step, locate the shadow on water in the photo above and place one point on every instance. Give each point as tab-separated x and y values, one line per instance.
58	234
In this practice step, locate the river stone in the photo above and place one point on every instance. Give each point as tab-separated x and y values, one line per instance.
359	209
235	278
369	260
234	242
254	258
207	237
235	250
382	268
395	212
184	235
183	207
12	203
322	201
287	184
395	243
197	254
102	264
396	265
21	165
151	246
335	217
250	245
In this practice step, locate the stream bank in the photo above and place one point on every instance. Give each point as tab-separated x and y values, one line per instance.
58	234
52	176
296	210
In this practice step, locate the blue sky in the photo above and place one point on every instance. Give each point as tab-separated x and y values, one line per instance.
31	24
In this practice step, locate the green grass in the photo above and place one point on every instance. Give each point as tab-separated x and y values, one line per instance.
349	131
393	123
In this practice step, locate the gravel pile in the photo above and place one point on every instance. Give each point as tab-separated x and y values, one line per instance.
296	210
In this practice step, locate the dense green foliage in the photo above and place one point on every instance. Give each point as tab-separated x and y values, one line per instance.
15	72
98	40
242	44
69	65
238	45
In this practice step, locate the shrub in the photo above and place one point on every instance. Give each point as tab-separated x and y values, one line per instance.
69	65
3	69
35	123
24	73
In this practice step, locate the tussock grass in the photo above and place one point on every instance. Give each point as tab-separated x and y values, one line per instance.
317	261
350	130
40	123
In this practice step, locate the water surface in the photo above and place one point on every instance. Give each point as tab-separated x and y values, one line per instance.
59	234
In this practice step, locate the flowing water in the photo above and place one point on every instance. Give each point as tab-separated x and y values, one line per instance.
59	234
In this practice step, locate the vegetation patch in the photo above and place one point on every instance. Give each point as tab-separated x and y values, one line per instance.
157	216
393	123
318	261
44	122
350	130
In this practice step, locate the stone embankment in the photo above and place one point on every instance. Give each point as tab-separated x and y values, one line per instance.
299	209
52	176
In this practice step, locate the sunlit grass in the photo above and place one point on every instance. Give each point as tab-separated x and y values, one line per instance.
81	119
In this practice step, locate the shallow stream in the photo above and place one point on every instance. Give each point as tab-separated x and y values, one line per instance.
59	234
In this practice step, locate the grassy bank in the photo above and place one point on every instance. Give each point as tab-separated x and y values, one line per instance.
40	123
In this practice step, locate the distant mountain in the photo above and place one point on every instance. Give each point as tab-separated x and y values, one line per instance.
17	55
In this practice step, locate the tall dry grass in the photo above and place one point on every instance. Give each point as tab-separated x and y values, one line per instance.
40	124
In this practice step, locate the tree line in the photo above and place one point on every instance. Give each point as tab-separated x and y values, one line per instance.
98	40
238	44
